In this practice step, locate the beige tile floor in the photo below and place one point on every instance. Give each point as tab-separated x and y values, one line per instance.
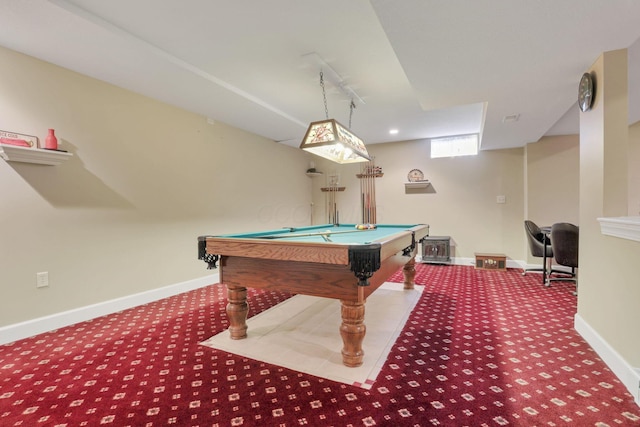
302	333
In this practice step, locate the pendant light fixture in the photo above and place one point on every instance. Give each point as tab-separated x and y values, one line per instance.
332	140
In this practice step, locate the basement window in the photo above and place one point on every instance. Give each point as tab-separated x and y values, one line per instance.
453	146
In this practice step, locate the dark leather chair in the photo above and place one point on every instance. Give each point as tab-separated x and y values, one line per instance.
565	242
541	247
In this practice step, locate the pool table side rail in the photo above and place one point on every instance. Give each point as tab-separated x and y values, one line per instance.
320	252
326	253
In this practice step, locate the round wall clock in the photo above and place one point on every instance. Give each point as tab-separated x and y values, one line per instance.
585	92
415	175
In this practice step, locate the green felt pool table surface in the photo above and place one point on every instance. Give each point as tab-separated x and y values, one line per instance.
343	233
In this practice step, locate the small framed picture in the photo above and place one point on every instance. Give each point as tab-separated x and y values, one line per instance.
19	140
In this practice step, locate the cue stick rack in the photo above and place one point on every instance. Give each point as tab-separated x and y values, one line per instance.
331	204
368	174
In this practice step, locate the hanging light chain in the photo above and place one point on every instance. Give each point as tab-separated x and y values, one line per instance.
324	95
352	107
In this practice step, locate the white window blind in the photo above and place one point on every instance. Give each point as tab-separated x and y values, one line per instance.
452	146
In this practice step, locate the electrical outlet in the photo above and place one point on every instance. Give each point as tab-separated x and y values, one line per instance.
42	279
501	199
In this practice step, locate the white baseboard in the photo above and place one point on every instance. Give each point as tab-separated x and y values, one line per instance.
511	263
33	327
627	374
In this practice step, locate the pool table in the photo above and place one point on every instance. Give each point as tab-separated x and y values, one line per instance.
331	261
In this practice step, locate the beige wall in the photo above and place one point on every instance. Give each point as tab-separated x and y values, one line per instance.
553	182
460	203
123	215
609	284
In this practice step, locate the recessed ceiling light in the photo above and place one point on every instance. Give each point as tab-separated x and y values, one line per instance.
393	131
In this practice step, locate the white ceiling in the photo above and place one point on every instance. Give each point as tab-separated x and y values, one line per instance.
425	67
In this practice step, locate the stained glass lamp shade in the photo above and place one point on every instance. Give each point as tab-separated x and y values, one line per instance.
333	141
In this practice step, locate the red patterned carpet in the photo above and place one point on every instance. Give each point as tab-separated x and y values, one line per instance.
481	348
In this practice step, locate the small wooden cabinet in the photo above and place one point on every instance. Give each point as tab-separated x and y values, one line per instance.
485	261
436	249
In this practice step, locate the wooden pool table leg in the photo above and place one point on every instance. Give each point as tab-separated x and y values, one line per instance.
352	331
237	310
409	271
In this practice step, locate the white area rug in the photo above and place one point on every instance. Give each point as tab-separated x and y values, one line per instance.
303	334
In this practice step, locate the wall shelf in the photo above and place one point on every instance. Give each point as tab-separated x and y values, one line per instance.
417	184
314	174
370	175
325	189
39	156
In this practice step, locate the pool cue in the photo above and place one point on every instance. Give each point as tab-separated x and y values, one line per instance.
363	187
373	215
369	182
326	201
331	212
362	171
373	191
370	197
373	197
362	193
333	218
366	200
327	208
